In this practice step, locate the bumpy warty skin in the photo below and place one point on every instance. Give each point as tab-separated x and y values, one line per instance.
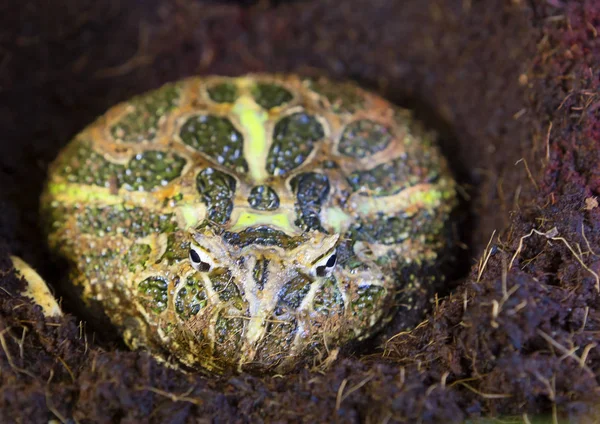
251	223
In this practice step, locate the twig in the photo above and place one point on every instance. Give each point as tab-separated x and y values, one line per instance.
341	396
564	350
551	236
9	357
587	242
338	398
487	254
175	398
49	403
528	172
486	395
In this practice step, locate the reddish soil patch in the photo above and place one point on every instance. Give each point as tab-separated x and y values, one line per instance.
501	80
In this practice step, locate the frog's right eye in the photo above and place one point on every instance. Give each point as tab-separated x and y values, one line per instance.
199	259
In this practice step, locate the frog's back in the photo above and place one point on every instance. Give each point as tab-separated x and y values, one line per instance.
260	173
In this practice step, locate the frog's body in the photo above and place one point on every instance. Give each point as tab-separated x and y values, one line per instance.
250	222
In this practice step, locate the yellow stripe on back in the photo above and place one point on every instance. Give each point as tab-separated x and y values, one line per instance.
256	149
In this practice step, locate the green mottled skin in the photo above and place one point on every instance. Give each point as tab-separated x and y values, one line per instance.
203	218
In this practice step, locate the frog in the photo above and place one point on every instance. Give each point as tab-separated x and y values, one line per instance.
252	222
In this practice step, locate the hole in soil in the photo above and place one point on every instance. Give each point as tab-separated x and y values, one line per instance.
466	223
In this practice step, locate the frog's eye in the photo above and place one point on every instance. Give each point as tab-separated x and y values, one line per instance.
199	259
326	265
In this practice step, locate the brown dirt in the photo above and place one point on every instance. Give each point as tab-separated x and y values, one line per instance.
501	80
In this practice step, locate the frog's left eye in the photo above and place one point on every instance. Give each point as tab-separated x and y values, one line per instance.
199	259
326	265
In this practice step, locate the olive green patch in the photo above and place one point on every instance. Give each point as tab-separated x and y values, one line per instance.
145	171
217	190
191	299
129	222
311	191
55	216
328	299
225	287
151	169
137	256
292	293
217	138
142	123
363	306
224	92
363	138
79	163
342	97
270	95
294	137
155	293
263	198
99	262
393	176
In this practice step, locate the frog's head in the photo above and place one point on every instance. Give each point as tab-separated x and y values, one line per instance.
262	261
286	289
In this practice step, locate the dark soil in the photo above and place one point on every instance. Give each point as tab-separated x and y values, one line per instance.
512	86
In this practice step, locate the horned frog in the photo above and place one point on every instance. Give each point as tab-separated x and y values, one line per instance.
251	223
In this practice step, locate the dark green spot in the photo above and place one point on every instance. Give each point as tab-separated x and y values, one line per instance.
100	262
128	222
264	236
178	247
424	226
342	97
383	229
328	299
367	299
346	256
55	215
228	333
142	123
145	171
217	190
79	163
217	138
224	92
155	293
263	198
191	298
151	169
292	293
363	138
137	256
270	95
393	176
279	335
225	286
294	138
311	191
260	272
